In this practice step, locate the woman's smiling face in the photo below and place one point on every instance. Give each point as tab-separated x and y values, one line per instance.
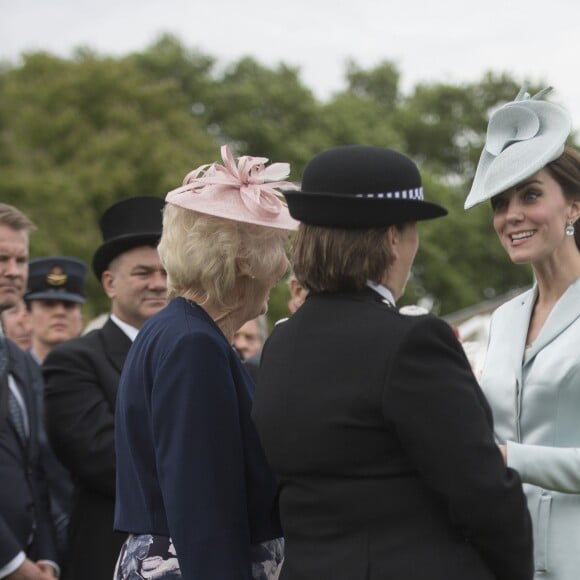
530	219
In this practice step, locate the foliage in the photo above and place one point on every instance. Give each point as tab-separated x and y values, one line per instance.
78	134
257	109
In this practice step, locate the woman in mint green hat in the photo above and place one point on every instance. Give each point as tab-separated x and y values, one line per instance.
531	375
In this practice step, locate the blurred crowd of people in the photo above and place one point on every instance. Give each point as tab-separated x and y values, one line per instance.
176	437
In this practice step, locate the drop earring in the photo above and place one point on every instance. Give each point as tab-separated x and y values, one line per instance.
569	228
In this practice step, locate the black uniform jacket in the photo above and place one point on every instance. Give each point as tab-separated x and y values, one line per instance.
81	380
24	511
382	442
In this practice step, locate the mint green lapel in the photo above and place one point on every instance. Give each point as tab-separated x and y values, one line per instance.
564	313
517	331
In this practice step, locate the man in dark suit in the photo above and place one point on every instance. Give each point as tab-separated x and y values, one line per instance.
27	542
82	377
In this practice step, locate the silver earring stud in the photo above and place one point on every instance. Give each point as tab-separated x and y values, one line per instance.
570	228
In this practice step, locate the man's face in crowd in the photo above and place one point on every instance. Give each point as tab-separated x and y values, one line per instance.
247	340
54	321
136	284
13	265
16	324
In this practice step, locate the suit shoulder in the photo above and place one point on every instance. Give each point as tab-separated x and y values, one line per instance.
18	357
83	348
80	343
15	352
425	327
22	365
428	322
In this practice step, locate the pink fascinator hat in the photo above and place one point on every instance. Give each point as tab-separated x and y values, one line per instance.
246	192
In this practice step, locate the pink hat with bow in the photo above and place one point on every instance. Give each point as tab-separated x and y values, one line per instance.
245	193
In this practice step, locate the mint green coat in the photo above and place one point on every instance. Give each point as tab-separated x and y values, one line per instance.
534	393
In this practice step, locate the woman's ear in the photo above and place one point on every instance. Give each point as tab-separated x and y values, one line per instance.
574	213
108	283
392	238
243	269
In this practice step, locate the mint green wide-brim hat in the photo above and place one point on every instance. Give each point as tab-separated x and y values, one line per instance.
523	136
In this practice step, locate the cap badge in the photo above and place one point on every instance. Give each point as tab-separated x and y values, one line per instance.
56	277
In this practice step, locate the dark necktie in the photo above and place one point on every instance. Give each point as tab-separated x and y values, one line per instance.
3	379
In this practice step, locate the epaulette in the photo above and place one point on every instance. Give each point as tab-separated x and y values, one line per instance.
413	310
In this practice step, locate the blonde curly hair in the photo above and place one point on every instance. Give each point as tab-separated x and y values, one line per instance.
212	259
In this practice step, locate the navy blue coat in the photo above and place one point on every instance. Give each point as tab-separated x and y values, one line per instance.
189	463
23	488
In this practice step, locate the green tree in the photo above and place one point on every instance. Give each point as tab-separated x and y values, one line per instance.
379	84
265	112
79	134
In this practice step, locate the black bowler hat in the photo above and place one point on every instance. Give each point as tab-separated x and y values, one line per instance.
358	186
132	222
56	278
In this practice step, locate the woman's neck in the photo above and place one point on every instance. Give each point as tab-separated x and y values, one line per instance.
555	276
228	320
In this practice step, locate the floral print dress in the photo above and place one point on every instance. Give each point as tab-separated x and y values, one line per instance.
149	557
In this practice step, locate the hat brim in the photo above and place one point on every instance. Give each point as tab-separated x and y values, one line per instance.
55	295
108	251
229	207
520	161
350	212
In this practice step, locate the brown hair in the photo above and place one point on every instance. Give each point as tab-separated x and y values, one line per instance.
14	218
566	171
334	259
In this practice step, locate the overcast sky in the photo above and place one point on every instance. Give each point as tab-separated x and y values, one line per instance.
429	40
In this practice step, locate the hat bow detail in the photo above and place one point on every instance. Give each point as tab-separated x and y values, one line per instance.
250	178
510	125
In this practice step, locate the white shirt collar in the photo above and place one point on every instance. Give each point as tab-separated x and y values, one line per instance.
129	330
383	291
35	356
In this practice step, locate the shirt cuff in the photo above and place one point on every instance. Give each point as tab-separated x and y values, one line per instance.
54	565
13	565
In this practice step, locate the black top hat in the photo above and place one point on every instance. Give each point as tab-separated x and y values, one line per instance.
358	186
56	278
132	222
